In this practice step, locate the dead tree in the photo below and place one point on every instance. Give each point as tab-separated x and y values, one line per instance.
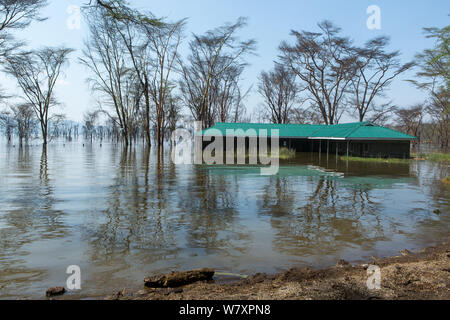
280	93
410	120
113	76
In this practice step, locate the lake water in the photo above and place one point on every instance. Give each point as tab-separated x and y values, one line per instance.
123	215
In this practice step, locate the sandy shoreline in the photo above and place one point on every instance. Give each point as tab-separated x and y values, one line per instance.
420	275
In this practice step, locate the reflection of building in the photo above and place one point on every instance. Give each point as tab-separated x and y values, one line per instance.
363	139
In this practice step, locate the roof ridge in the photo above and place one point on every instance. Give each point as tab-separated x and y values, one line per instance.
270	124
399	131
362	124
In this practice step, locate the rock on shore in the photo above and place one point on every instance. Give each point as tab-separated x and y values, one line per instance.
55	291
178	279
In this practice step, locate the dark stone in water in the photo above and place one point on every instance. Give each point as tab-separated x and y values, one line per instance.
55	291
343	263
178	279
437	211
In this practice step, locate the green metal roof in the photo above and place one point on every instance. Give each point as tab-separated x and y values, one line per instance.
346	131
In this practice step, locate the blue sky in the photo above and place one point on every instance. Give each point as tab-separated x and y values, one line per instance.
269	23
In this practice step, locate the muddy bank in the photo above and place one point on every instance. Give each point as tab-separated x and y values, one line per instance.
421	275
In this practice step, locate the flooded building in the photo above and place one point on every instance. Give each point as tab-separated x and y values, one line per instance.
361	139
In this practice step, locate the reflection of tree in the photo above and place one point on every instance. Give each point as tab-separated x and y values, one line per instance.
138	215
430	226
325	218
27	216
277	197
211	217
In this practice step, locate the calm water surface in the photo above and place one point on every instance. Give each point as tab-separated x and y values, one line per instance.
123	215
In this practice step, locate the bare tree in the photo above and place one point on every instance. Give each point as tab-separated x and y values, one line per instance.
382	113
25	121
280	93
213	56
324	63
439	110
164	42
305	116
374	71
105	55
133	27
226	97
90	122
410	120
8	123
36	73
173	111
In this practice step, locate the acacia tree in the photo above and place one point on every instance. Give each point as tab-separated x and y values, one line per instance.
434	78
438	108
226	97
164	42
16	15
173	111
36	73
90	122
305	116
153	50
106	57
374	71
7	122
280	93
324	63
410	120
212	58
25	121
132	26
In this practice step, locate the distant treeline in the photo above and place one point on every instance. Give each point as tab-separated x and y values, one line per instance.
145	89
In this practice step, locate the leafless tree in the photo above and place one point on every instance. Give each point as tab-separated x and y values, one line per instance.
214	57
410	119
280	93
439	110
173	112
164	42
36	73
8	123
324	63
113	76
226	97
90	122
306	116
382	113
134	28
25	120
374	71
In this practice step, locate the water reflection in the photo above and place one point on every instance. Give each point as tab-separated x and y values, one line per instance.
27	217
122	213
321	218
